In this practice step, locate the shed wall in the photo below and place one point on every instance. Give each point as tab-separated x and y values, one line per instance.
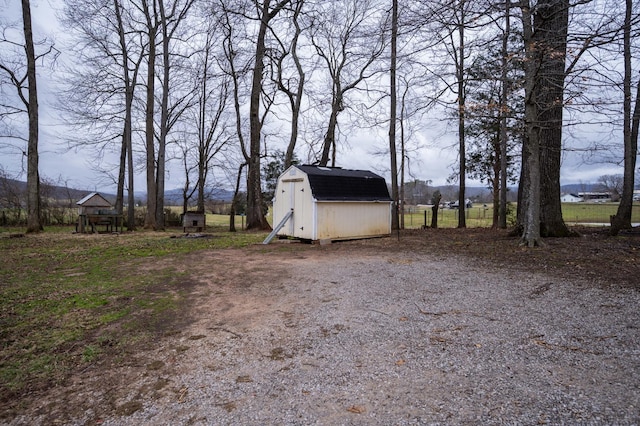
345	220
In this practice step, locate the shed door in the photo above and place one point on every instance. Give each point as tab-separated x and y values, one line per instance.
296	202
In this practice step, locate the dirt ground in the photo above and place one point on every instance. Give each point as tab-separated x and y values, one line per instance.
220	281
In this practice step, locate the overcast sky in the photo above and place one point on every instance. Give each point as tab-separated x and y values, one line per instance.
435	161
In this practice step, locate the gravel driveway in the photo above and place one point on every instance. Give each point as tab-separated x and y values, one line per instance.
325	336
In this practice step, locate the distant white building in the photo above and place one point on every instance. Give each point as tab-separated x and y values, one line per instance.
595	197
570	198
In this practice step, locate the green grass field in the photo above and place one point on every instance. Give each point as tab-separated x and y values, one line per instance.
476	217
594	212
479	216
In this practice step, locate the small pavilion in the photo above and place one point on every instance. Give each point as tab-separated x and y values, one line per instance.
94	211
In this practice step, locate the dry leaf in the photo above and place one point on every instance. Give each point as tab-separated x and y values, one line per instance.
357	409
404	319
400	362
183	394
244	379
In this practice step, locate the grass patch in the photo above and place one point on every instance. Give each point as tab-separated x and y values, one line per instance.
595	212
90	353
71	299
479	216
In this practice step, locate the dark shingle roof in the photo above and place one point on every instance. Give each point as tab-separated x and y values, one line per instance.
336	184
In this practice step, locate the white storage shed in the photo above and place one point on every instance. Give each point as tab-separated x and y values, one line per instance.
327	203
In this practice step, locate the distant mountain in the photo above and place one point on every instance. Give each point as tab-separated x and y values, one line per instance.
173	197
9	187
580	187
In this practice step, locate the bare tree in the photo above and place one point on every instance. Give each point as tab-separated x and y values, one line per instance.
189	168
349	38
170	21
212	124
130	78
152	21
559	87
454	33
292	86
20	72
256	219
236	67
205	130
613	184
622	218
462	24
33	175
395	223
459	56
100	86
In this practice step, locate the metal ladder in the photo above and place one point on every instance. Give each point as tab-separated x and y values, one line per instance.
277	228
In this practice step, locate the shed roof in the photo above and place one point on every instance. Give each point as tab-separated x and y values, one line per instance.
337	184
94	200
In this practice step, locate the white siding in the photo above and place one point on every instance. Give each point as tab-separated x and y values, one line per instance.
345	220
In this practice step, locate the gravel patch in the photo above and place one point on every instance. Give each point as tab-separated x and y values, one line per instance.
396	339
357	335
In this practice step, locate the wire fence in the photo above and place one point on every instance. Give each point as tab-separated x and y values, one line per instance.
481	215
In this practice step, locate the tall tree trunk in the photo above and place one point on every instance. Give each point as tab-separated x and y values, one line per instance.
234	201
530	180
529	195
128	139
462	222
295	99
122	164
34	223
150	218
330	136
622	218
434	209
228	46
402	165
131	201
504	100
551	23
126	154
164	120
495	182
395	224
185	188
255	214
202	132
202	179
